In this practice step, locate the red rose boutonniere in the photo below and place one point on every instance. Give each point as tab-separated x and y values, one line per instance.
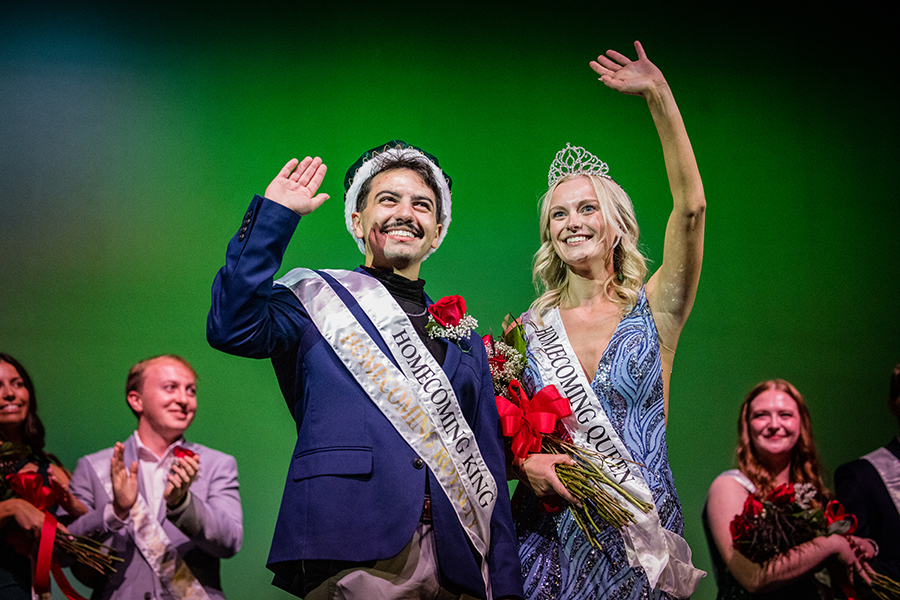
180	452
447	318
448	311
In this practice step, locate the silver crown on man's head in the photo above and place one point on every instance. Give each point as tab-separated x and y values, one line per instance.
575	160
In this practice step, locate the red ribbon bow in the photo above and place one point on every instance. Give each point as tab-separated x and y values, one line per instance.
834	512
526	420
30	487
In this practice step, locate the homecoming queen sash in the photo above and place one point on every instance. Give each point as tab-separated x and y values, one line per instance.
664	556
417	398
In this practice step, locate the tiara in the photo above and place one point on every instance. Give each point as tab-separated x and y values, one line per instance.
575	161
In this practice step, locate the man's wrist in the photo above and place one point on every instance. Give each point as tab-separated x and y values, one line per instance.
121	513
179	505
113	521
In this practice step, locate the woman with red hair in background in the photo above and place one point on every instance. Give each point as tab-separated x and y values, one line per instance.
775	447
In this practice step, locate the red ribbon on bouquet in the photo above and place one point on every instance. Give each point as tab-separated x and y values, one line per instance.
525	421
30	487
834	512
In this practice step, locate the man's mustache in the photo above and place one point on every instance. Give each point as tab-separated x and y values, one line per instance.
407	224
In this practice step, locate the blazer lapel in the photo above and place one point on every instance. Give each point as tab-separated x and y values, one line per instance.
451	361
131	455
894	446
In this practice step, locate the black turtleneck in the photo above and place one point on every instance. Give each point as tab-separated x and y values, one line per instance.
410	295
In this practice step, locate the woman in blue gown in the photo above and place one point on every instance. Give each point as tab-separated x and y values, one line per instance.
598	323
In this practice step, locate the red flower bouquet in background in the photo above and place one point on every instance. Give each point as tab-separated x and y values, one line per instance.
788	517
784	519
30	487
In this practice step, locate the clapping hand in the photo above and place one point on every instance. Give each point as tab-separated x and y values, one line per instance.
124	482
59	479
622	74
296	185
182	474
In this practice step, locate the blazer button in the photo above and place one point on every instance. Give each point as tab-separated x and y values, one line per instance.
418	463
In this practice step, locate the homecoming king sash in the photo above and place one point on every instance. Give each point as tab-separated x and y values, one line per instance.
416	398
888	467
153	542
664	556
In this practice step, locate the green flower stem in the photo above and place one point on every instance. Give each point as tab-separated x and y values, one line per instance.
884	587
590	475
87	551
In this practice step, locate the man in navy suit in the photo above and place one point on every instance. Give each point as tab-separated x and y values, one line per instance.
168	507
396	486
870	489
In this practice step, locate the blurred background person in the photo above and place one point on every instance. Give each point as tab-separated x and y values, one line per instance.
22	451
169	507
775	447
870	489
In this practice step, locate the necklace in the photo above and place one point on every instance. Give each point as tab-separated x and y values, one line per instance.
421	314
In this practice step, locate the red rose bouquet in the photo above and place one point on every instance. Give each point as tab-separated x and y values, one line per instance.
788	517
506	363
30	487
533	426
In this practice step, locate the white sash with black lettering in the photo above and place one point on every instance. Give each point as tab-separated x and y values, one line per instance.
888	467
417	399
664	556
153	543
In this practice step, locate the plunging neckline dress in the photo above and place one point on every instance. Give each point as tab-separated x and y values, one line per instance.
558	562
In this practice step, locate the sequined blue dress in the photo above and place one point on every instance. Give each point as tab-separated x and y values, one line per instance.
558	562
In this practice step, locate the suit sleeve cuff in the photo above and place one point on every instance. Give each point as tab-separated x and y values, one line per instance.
174	513
112	520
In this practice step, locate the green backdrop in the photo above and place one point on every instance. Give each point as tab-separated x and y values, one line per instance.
131	140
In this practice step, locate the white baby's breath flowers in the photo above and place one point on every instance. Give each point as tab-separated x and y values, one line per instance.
460	332
804	494
510	370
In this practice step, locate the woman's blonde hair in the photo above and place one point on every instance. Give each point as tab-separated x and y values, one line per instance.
551	274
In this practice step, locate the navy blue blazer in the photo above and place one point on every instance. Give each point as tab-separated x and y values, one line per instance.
861	490
354	489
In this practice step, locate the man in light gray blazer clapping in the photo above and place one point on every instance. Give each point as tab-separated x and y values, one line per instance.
170	508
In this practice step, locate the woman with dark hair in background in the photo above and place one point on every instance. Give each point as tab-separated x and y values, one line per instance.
775	447
22	451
